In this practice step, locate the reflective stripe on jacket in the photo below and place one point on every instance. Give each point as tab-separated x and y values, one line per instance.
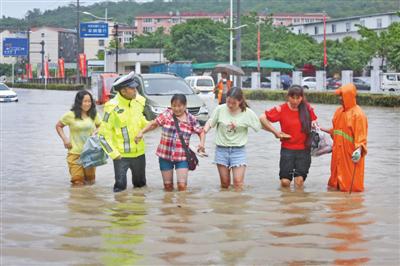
122	121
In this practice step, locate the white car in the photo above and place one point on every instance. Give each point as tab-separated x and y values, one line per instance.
309	83
7	94
390	82
203	84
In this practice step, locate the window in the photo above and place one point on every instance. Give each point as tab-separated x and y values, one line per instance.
333	28
379	23
362	23
101	43
148	20
300	32
348	26
147	29
391	77
175	20
315	30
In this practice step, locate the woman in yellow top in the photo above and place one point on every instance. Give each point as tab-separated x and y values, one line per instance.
83	121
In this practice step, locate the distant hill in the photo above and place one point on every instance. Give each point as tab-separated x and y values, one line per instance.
125	11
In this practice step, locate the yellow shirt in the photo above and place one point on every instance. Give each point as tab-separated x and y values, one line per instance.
79	129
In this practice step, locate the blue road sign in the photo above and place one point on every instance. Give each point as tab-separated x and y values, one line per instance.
15	47
93	30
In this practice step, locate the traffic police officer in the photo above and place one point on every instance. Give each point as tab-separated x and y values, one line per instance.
123	119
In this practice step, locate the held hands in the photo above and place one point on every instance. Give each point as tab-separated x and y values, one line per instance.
201	150
356	156
138	137
282	136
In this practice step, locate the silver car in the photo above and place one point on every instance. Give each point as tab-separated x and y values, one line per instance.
158	90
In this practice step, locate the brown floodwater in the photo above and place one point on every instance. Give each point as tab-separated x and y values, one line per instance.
46	222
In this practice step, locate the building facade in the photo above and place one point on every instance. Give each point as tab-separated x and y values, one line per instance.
337	29
288	19
59	42
148	23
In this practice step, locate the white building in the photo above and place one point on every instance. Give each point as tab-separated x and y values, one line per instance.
59	42
337	29
129	59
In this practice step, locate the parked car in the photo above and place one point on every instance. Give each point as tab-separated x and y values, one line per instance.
361	84
158	90
309	83
390	82
333	83
7	94
201	83
265	82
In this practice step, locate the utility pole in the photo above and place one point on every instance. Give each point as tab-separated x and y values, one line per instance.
78	43
238	44
42	53
116	44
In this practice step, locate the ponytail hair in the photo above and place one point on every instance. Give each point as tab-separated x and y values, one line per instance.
237	94
304	108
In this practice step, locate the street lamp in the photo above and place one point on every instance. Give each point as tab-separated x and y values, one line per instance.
106	20
231	29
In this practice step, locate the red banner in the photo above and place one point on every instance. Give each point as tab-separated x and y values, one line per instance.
82	64
61	69
28	69
46	70
258	49
325	55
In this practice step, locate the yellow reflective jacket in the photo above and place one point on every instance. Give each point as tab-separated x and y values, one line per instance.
122	121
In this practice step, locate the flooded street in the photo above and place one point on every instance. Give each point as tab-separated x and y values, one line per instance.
46	222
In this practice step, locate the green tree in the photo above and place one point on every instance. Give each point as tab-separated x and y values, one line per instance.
199	40
5	69
393	42
157	39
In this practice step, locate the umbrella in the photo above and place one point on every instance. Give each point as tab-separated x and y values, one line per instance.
230	69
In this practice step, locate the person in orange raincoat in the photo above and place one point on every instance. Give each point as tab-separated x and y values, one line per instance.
222	88
349	134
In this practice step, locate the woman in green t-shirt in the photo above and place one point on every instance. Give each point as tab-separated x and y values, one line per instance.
82	120
232	121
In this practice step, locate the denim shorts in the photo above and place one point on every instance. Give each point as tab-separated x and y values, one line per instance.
230	156
166	165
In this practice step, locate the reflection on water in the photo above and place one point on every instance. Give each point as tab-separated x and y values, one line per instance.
45	222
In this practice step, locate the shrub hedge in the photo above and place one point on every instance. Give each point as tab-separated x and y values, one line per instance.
328	97
64	87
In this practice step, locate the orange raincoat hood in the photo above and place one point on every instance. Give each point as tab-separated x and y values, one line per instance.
348	93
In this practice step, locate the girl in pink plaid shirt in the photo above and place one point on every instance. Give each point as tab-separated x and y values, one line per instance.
170	150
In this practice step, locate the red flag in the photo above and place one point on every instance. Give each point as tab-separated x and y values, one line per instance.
325	56
46	70
61	70
82	64
258	48
28	69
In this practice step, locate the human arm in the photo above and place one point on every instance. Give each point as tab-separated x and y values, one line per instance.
149	127
267	125
60	130
360	129
201	147
106	133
